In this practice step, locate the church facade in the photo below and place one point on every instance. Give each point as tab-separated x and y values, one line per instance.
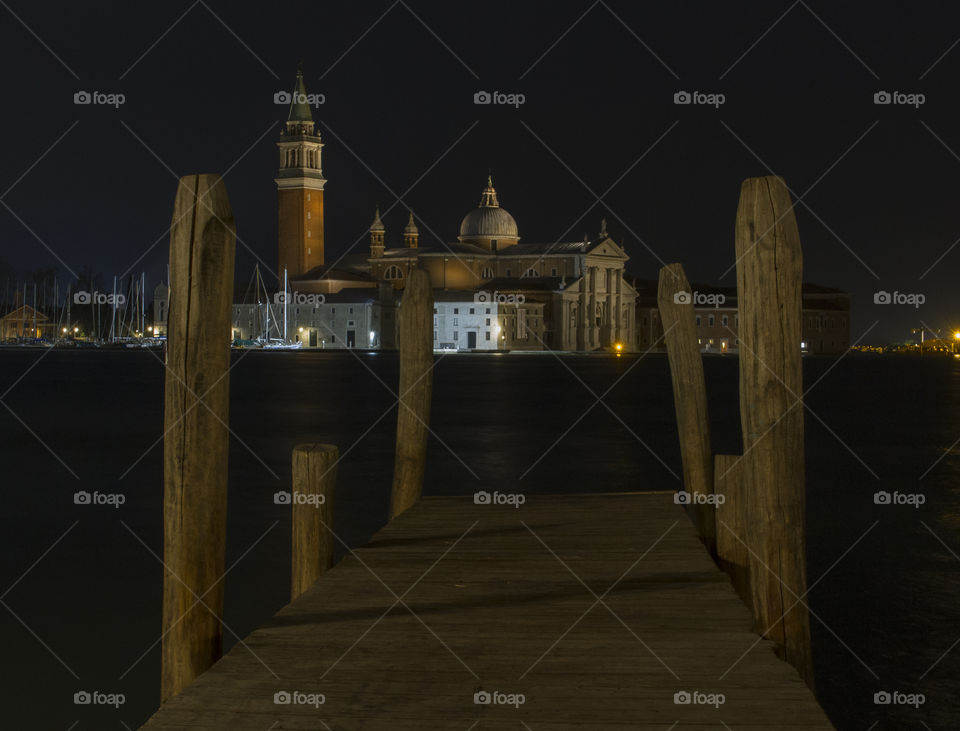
508	294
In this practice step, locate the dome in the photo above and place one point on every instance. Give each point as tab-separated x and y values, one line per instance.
489	220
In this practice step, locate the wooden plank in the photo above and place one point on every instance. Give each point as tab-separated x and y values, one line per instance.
415	341
675	302
196	435
493	601
314	479
769	283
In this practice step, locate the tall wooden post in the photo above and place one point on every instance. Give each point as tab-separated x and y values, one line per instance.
675	302
314	480
196	413
415	333
769	281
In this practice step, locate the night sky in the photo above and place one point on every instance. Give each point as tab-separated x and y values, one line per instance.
94	185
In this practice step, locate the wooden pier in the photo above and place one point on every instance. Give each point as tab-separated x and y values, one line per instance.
597	609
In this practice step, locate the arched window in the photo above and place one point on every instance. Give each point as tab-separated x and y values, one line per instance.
393	272
531	272
487	273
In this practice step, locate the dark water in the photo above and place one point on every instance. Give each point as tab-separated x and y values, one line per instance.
884	611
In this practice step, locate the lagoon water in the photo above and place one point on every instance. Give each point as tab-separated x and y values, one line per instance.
85	614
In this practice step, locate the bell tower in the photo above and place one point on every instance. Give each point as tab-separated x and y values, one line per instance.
299	188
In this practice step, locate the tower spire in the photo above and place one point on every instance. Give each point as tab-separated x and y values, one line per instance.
300	112
411	234
377	234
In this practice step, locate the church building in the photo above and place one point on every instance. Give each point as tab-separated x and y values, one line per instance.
568	295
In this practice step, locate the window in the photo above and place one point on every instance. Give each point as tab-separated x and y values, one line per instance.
488	310
456	310
736	322
531	272
486	335
471	310
456	335
553	272
725	320
710	322
393	272
698	320
487	273
434	334
333	310
350	311
488	320
493	244
508	271
455	322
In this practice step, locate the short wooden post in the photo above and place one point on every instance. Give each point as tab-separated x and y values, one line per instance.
314	480
732	516
196	413
415	333
769	280
675	302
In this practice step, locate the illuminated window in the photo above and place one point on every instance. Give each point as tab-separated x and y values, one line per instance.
487	273
393	272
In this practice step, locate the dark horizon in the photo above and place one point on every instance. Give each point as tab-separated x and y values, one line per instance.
94	185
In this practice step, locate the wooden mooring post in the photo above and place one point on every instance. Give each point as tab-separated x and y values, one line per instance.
675	302
196	413
769	284
415	341
757	528
314	480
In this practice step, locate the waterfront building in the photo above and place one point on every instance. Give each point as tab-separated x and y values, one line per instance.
825	318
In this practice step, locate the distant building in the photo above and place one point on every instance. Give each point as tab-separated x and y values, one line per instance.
825	318
567	295
26	322
161	308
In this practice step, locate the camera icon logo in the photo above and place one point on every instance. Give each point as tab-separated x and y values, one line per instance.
482	296
882	97
282	97
882	497
282	698
481	498
682	97
682	497
682	298
281	498
882	298
682	698
81	497
882	698
82	698
482	698
482	97
82	298
82	97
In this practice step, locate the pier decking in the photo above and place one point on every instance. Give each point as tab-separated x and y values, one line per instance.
597	609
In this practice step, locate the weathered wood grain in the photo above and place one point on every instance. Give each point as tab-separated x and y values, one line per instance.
488	606
675	302
196	435
769	277
415	334
314	481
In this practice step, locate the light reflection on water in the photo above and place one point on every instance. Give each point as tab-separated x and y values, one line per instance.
889	605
